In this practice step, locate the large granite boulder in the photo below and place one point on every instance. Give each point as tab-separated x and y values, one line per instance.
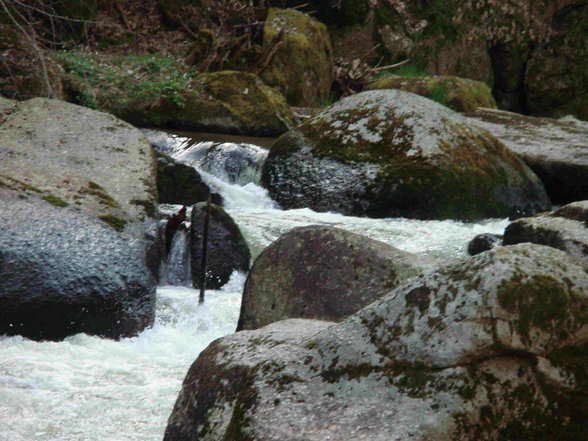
459	94
492	347
171	94
565	229
322	273
386	153
227	249
302	67
78	193
555	149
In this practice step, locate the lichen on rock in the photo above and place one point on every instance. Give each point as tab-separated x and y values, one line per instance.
393	153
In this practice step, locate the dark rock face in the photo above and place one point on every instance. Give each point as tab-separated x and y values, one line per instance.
227	249
565	229
180	184
62	273
389	153
492	347
77	192
483	242
555	149
322	273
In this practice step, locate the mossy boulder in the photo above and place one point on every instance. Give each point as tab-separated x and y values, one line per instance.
565	229
302	68
322	273
459	94
492	347
162	92
555	149
387	153
77	198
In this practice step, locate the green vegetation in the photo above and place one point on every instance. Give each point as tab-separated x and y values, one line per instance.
119	84
114	221
58	202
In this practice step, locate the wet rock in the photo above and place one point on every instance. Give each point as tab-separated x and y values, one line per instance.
483	242
565	229
235	163
492	347
302	68
227	249
555	149
322	273
180	184
387	153
78	192
459	94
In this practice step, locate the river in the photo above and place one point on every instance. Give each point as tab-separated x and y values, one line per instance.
92	389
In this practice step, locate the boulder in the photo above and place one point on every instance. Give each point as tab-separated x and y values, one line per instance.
565	229
6	106
227	249
180	184
322	273
491	347
386	153
555	149
483	242
459	94
78	194
171	94
302	67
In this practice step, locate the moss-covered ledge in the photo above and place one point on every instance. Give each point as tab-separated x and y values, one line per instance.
154	91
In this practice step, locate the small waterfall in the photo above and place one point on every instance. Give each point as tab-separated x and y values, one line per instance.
175	270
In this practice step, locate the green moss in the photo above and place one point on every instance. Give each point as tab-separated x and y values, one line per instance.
98	191
114	221
459	94
147	205
58	202
540	302
302	68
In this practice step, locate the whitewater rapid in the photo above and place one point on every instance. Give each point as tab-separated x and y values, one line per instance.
91	389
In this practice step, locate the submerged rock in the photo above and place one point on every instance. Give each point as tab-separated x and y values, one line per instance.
565	229
322	273
459	94
302	68
387	153
555	149
227	249
76	236
492	347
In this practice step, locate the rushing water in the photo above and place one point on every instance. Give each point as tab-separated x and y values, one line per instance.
88	388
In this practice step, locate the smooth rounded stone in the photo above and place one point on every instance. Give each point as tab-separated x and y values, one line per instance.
555	149
80	183
565	229
227	249
180	184
483	242
322	273
63	272
389	153
492	347
302	66
459	94
236	163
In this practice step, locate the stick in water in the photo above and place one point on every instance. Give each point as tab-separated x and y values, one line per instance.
204	251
